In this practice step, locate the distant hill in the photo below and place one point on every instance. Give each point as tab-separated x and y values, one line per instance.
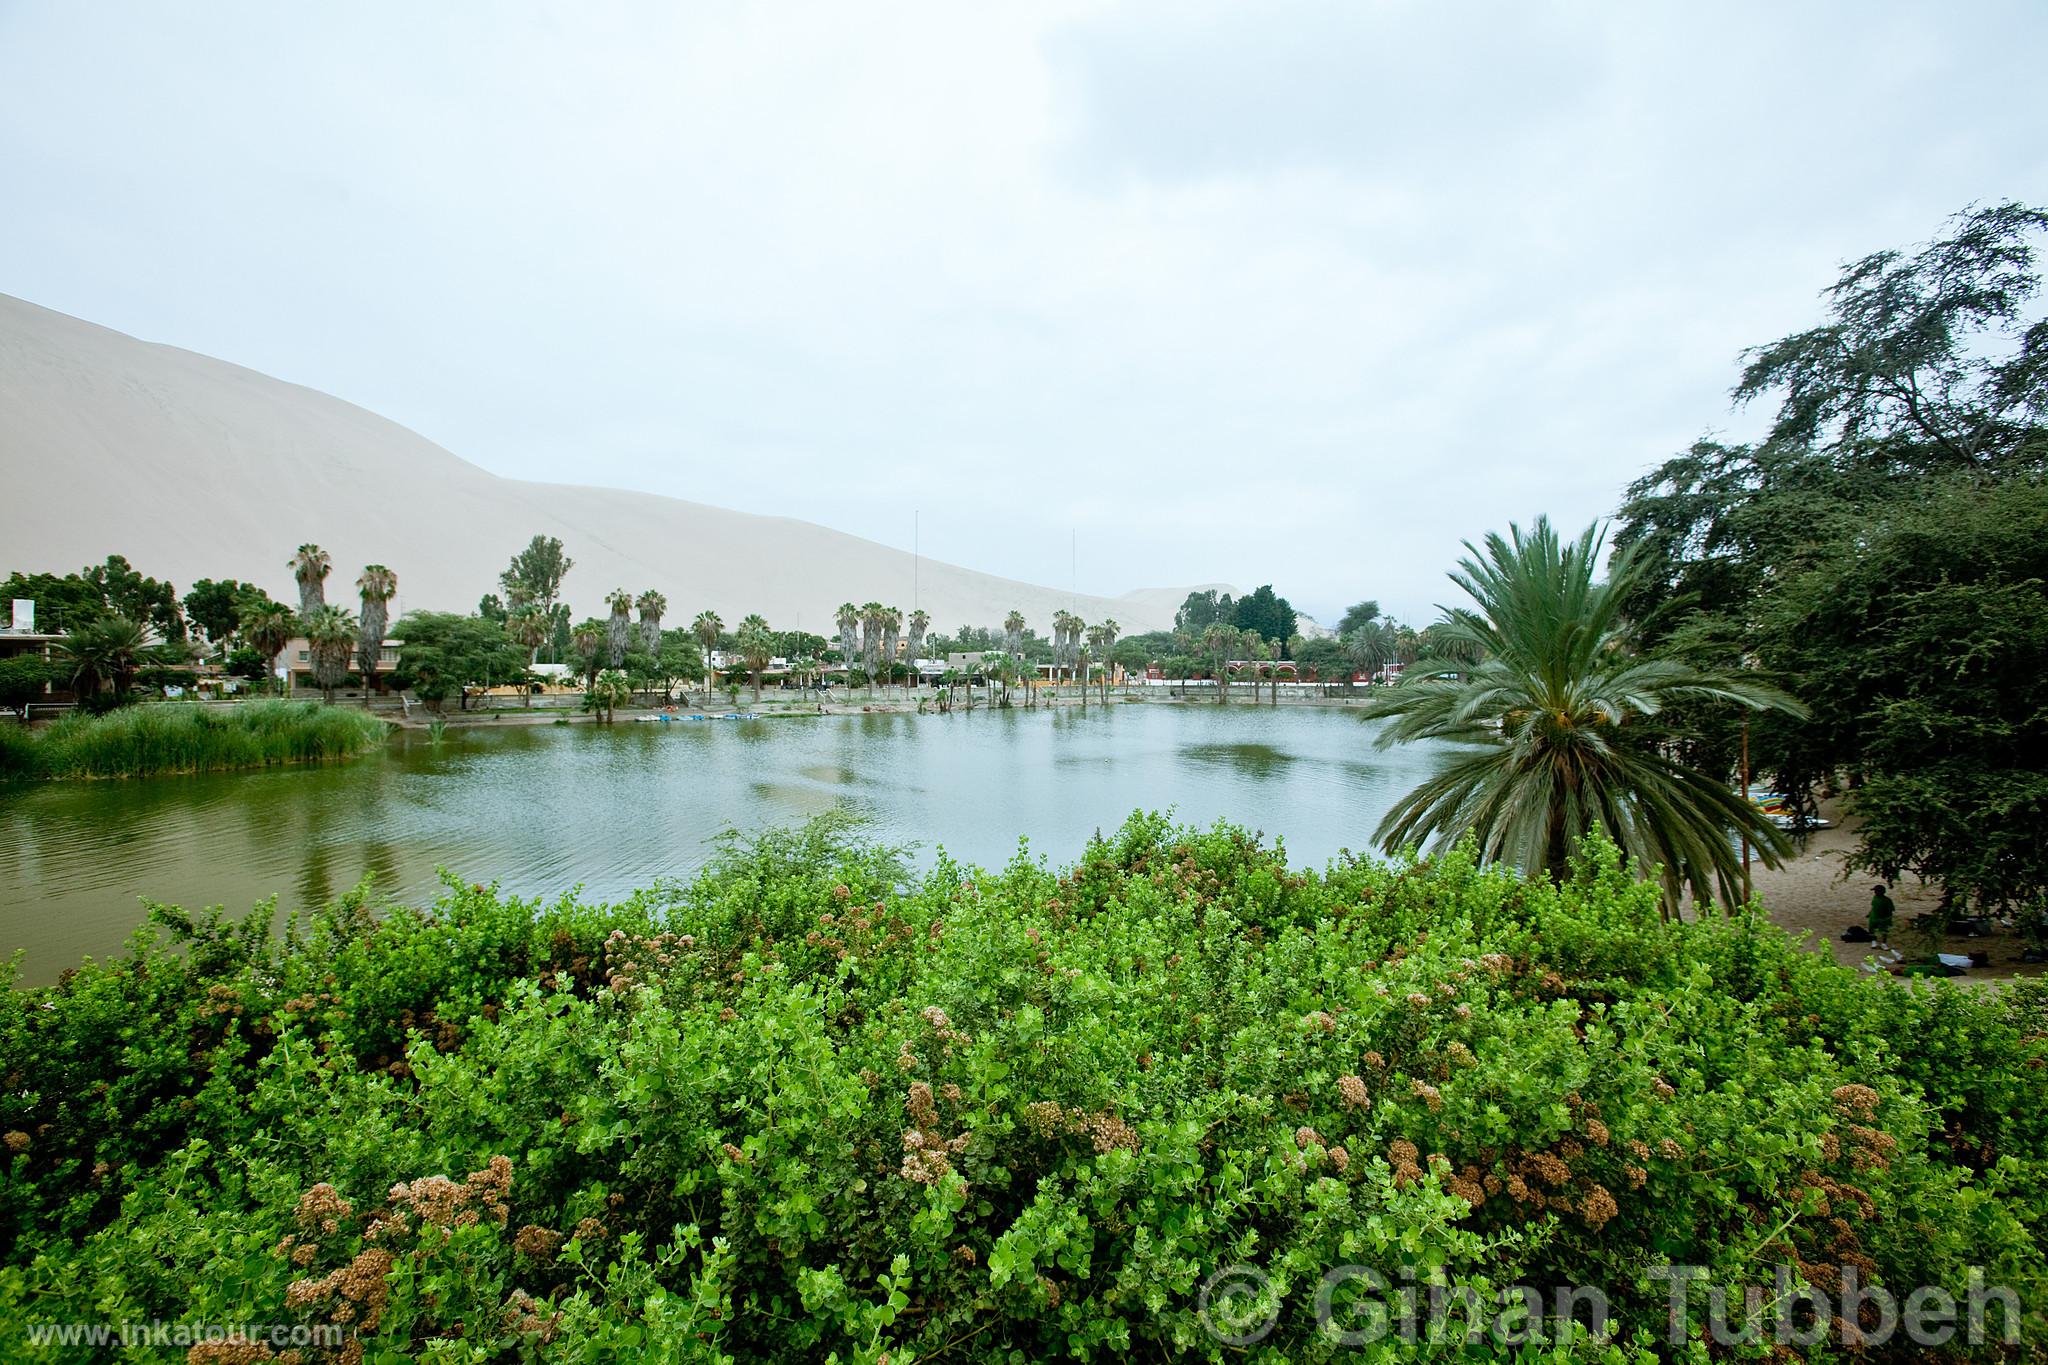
196	468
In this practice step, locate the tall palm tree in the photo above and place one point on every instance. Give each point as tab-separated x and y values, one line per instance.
920	622
330	639
871	617
848	620
1551	710
588	642
1110	630
378	586
1098	647
618	629
1218	643
1013	634
267	627
652	607
892	627
707	628
310	566
110	650
757	648
1063	623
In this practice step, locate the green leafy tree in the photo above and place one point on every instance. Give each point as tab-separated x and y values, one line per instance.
1358	616
24	680
1923	641
444	655
64	602
1200	610
214	605
535	574
1267	613
1546	717
133	594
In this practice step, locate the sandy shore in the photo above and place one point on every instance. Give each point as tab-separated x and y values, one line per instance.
1809	895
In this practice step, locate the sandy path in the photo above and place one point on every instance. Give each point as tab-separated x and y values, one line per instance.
1808	895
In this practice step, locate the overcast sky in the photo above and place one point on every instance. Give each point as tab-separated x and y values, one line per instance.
1300	293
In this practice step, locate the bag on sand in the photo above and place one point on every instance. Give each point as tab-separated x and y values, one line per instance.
1856	933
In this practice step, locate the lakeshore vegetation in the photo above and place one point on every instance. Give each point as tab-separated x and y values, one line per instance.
809	1107
186	737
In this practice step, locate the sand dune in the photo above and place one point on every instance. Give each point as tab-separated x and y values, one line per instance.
194	468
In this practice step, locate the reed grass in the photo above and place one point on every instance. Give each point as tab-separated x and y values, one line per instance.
178	737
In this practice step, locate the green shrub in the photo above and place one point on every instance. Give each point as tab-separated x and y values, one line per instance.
188	737
806	1106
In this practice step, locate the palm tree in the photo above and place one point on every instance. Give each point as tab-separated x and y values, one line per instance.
1260	654
1064	637
652	607
310	567
529	629
757	648
378	586
1110	630
619	628
1218	641
848	620
1371	646
707	628
588	642
892	626
871	616
1552	705
920	622
267	626
330	639
1013	634
607	691
110	650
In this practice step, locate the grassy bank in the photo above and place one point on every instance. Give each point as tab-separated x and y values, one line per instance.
139	741
808	1106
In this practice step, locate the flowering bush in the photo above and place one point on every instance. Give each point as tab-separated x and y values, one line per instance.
808	1106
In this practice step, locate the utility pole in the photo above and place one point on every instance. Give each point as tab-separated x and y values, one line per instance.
1746	893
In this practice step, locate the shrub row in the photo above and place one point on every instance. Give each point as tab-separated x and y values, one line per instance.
810	1107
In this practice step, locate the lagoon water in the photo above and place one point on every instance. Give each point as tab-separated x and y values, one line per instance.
546	808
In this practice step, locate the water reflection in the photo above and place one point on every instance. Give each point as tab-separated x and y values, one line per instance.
541	809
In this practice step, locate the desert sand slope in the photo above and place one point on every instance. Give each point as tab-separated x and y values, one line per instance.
194	468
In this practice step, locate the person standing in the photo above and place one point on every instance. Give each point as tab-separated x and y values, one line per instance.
1882	913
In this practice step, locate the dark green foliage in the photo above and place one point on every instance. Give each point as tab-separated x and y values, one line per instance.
1202	610
215	606
443	655
1872	557
1267	613
804	1107
24	679
1924	645
114	588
